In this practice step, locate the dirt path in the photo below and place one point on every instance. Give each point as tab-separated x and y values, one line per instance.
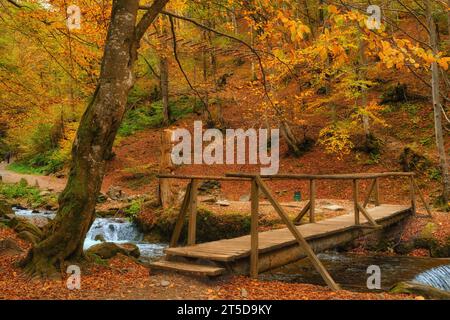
43	182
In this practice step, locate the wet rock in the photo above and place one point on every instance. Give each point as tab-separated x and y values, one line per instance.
45	193
208	199
115	193
209	186
100	237
245	198
108	250
333	207
223	203
165	283
39	222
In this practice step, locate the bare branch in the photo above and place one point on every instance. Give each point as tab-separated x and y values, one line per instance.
175	54
149	17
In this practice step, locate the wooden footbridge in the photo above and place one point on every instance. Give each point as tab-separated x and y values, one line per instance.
261	251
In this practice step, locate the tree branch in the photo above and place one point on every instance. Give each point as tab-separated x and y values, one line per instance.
149	17
175	54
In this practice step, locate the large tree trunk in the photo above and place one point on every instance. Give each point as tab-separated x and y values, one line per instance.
437	105
65	236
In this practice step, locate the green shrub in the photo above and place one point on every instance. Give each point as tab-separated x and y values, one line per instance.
22	191
145	117
134	209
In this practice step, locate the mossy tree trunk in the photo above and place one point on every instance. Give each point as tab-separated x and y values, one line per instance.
64	238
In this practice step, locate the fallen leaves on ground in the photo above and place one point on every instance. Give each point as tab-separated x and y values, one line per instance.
276	290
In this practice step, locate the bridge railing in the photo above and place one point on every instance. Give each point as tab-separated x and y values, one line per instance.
189	206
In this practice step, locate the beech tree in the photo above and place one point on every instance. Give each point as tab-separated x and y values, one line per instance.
65	236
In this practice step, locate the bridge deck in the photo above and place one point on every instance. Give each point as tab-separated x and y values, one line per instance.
232	249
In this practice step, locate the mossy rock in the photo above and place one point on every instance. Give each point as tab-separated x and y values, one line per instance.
108	250
420	290
404	248
427	231
210	227
425	243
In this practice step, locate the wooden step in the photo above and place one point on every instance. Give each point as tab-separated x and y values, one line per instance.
191	268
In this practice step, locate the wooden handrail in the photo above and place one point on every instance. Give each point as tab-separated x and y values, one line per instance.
195	177
349	176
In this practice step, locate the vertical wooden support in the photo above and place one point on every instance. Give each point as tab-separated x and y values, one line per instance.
312	199
413	195
298	236
422	197
377	191
355	200
254	264
181	218
192	228
165	167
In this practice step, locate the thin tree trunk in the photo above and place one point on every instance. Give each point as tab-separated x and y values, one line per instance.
164	77
437	106
65	236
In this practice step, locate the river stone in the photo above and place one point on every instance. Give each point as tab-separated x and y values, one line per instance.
107	250
165	283
333	207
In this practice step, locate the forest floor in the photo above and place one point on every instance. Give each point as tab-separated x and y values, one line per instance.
124	278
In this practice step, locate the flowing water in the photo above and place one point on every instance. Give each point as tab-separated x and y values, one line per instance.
350	271
117	230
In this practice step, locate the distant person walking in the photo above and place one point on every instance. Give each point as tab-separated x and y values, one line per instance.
8	157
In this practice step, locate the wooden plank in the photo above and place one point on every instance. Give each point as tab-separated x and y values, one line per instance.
377	191
367	216
312	200
302	213
355	201
422	198
181	216
197	269
302	242
413	195
192	228
233	249
254	265
372	187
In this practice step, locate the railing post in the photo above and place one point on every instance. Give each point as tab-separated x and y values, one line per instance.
355	200
312	199
413	195
254	264
192	228
377	192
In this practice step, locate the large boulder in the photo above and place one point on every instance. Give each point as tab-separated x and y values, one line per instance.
107	250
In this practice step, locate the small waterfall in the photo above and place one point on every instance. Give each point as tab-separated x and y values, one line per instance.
437	277
112	230
115	230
